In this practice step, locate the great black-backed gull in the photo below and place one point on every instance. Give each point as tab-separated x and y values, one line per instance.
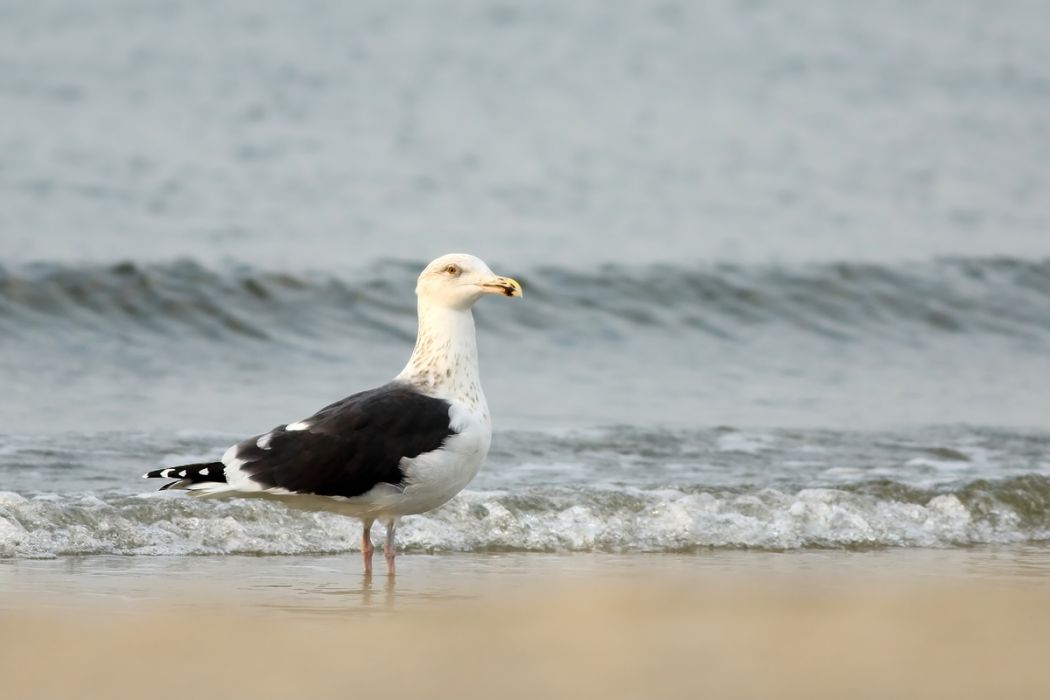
403	448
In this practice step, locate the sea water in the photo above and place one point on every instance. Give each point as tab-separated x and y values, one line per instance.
786	268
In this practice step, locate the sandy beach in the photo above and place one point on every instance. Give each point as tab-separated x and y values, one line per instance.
966	624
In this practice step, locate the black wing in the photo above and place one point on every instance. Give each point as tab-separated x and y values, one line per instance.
350	446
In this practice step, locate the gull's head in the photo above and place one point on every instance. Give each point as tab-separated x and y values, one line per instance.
458	280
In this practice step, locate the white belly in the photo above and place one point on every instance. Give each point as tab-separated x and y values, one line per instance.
431	479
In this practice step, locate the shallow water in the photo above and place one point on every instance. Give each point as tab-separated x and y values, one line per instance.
599	490
785	290
330	586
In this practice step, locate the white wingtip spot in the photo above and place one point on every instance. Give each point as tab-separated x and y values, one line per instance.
205	471
263	443
298	425
181	473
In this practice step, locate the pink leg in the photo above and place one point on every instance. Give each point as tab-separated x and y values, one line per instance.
389	550
366	546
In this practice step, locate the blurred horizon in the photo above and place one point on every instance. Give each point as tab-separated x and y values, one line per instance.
332	134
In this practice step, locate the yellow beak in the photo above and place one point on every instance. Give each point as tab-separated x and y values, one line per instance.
503	285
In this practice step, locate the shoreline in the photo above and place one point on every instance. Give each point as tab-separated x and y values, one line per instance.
312	583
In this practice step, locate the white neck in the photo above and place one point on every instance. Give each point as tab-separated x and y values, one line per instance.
444	362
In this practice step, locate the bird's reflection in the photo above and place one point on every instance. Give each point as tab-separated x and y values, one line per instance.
369	592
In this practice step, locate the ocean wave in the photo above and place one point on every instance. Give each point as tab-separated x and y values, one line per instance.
998	296
871	515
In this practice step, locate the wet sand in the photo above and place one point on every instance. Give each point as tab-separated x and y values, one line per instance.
913	623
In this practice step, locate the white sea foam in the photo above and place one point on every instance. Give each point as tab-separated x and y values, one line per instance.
537	520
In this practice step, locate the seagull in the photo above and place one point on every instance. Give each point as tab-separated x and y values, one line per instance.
403	448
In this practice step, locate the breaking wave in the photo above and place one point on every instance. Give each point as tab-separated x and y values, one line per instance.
999	296
870	515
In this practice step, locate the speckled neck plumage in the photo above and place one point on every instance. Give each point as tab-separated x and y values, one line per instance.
444	362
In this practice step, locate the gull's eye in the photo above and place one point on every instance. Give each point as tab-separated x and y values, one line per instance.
452	269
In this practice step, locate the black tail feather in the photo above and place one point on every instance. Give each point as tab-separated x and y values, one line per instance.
190	474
